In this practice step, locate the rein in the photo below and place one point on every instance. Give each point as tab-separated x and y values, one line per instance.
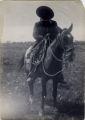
50	75
57	59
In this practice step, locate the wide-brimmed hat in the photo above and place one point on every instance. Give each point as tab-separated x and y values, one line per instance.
45	12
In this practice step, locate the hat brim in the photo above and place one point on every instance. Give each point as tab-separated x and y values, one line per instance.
45	12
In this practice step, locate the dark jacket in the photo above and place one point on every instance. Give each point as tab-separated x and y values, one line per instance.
44	27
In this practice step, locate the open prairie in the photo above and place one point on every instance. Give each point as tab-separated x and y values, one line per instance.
15	91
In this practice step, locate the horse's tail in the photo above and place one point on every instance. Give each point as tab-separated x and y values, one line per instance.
21	63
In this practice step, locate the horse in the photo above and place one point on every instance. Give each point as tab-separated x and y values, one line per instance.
50	66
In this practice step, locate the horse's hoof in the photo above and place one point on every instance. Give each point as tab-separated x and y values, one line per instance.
30	100
41	113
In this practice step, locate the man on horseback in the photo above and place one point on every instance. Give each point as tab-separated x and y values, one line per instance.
45	31
44	59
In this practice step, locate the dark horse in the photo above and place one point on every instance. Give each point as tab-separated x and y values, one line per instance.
51	66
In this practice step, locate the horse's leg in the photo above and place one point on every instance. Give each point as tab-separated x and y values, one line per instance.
31	84
44	93
31	88
54	93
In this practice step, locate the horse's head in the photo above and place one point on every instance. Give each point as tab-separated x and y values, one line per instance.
66	42
66	38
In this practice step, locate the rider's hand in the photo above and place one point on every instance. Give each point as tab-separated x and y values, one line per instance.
41	36
47	35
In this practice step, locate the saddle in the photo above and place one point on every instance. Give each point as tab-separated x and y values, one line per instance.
35	54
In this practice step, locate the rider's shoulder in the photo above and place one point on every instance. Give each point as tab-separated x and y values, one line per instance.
37	23
53	22
48	23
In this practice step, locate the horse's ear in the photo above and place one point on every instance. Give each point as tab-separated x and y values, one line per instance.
70	28
67	30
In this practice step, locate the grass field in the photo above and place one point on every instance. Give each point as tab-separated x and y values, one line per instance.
15	92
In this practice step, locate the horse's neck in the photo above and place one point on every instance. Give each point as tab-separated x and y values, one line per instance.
56	47
53	54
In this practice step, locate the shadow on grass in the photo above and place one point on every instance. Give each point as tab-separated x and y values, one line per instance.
69	108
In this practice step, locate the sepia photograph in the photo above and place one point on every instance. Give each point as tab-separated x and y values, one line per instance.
42	60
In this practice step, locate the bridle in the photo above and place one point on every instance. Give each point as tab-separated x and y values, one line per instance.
60	42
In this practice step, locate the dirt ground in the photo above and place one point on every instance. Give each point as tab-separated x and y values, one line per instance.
15	91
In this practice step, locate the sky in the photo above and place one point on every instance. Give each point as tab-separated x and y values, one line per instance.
20	17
